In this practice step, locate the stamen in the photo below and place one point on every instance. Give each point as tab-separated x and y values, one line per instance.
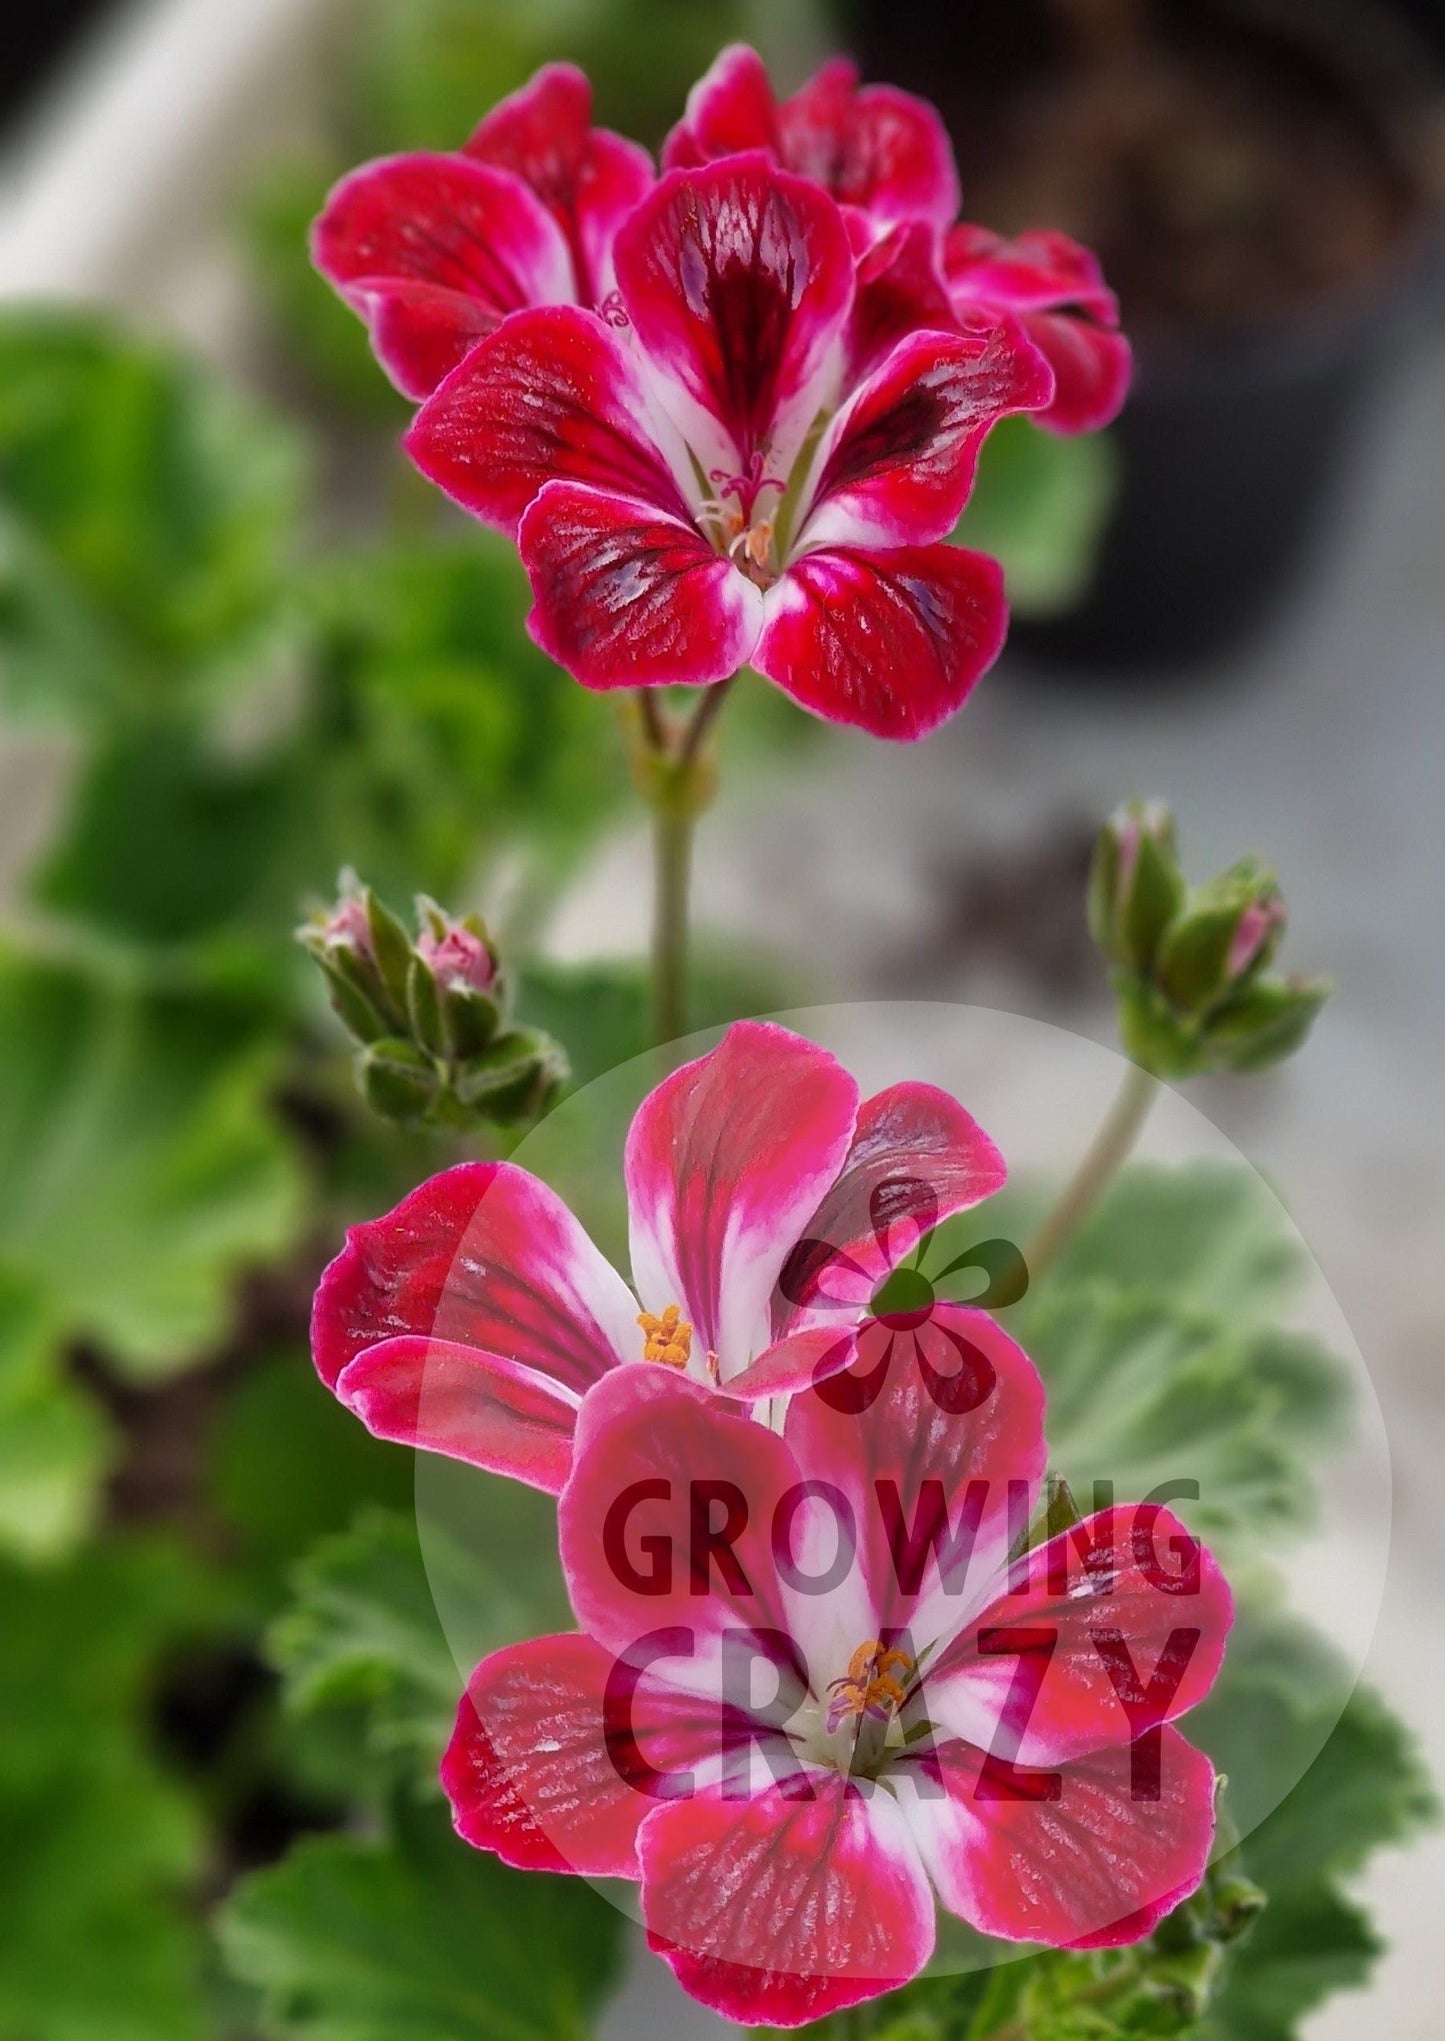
669	1337
875	1684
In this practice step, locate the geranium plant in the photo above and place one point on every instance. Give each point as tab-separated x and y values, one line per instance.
789	1616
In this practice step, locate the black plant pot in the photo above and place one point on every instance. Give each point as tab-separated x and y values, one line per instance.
1236	438
1230	465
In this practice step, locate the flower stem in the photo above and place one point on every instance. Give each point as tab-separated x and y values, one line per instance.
672	832
675	773
1110	1147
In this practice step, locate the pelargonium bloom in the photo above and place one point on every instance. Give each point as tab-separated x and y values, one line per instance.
433	250
882	153
693	486
811	1698
473	1319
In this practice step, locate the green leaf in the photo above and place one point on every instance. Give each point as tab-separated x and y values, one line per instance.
1308	1944
1208	1237
149	517
1039	506
363	1633
288	1466
141	1169
55	1445
97	1938
425	1940
1145	1394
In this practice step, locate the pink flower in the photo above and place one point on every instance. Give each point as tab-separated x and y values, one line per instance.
474	1318
810	1698
694	487
433	250
1057	290
880	152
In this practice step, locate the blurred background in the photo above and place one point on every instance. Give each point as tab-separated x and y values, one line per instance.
241	645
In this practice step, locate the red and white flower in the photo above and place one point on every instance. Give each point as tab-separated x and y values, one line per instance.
433	250
811	1699
694	486
881	153
474	1318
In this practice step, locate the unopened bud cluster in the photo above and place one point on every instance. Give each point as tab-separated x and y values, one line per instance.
1192	964
430	1015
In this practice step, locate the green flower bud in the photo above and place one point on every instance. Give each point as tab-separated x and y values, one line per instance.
1192	966
430	1014
342	939
1135	887
1227	933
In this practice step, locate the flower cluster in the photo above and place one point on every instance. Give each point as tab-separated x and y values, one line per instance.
832	1670
731	413
430	1015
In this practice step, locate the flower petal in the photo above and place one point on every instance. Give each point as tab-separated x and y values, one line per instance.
916	1159
484	1256
433	251
665	1525
725	1161
784	1908
924	1440
625	595
877	148
1070	313
896	466
803	1358
588	178
1093	368
472	1406
891	642
1096	1867
552	397
730	109
1131	1605
900	291
548	1772
737	278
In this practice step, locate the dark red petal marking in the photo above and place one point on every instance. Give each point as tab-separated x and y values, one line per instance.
737	278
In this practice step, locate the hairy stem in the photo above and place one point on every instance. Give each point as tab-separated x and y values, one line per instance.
1110	1147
